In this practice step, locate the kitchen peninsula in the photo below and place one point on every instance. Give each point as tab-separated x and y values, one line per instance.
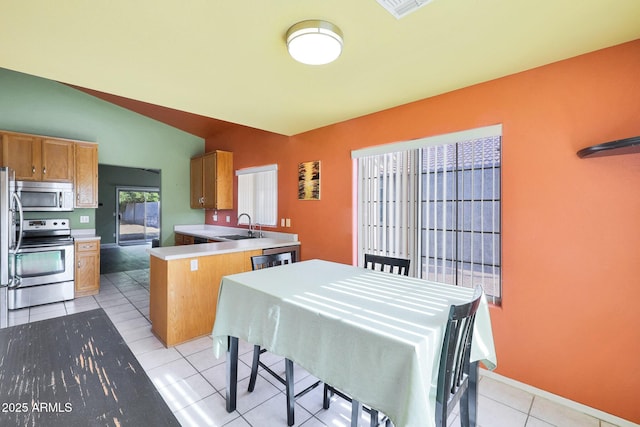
185	279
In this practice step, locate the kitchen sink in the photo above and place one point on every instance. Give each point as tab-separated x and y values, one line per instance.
237	237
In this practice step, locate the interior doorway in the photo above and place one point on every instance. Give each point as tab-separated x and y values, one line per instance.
138	217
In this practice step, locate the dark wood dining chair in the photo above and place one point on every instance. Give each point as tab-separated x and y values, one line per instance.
457	377
385	263
259	262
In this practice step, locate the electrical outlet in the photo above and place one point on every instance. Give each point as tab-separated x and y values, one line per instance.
84	219
288	222
215	217
228	218
282	222
194	265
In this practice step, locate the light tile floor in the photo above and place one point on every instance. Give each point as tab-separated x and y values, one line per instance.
192	381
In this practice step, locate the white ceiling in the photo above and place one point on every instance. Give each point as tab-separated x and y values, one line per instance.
227	59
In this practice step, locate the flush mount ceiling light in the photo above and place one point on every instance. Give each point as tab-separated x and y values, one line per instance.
314	42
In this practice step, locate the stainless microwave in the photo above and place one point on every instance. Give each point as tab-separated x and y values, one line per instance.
45	196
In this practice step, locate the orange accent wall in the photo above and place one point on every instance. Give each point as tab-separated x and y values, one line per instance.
571	227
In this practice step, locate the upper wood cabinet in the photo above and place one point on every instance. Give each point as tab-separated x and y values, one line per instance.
57	160
212	180
86	172
38	159
19	152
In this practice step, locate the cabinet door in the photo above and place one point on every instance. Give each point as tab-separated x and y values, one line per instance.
86	175
224	180
212	180
209	170
87	280
57	160
197	192
22	154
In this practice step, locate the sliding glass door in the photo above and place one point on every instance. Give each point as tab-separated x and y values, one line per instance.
138	219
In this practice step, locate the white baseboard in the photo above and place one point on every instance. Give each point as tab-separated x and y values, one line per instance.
612	419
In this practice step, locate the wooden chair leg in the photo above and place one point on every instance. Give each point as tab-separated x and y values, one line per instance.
470	398
288	369
254	367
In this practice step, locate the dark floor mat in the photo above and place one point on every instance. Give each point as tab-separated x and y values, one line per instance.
75	370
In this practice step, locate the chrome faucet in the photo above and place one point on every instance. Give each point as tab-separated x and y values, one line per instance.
250	226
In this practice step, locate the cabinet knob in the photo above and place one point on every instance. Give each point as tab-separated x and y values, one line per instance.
44	171
33	169
78	264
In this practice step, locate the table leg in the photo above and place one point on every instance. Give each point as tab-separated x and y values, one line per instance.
232	373
288	369
473	393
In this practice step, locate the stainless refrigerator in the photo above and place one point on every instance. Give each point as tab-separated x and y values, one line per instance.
10	215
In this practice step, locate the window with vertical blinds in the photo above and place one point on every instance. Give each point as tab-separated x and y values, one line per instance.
435	201
258	194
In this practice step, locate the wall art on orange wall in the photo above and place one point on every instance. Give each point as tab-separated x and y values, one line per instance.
309	180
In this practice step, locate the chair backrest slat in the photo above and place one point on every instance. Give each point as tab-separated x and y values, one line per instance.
388	264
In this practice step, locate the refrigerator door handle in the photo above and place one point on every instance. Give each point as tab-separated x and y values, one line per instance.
18	203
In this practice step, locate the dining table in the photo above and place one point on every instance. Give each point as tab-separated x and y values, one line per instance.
373	335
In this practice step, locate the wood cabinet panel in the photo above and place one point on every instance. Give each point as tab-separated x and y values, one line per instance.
183	239
57	160
38	159
224	180
212	180
183	301
22	154
197	183
209	178
87	272
86	175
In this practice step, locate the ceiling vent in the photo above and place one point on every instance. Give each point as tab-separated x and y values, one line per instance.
401	8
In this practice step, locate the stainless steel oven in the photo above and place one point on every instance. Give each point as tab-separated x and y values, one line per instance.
44	264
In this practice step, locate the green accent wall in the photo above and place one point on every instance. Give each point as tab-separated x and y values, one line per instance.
30	104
